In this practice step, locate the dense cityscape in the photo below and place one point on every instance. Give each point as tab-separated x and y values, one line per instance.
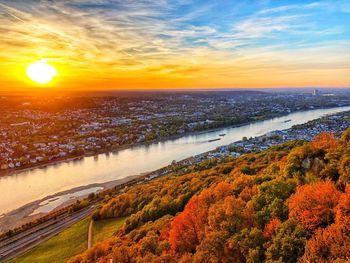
35	131
334	124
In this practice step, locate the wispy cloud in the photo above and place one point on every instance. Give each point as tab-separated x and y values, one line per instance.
257	27
290	7
121	41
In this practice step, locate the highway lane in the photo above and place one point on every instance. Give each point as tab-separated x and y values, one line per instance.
5	241
24	241
17	246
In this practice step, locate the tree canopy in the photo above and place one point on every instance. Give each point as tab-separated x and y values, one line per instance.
294	206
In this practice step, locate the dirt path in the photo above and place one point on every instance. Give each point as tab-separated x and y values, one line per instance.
90	233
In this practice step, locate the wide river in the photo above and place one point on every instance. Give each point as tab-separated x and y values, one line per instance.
24	187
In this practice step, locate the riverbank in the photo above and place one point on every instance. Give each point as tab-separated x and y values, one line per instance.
44	165
25	214
28	212
78	176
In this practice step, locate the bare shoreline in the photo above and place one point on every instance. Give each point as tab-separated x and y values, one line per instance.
22	215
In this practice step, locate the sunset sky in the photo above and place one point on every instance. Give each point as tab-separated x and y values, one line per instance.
109	44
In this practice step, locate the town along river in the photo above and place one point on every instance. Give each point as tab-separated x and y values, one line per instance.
24	187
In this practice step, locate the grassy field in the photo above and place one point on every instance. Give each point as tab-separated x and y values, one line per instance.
104	229
70	242
59	248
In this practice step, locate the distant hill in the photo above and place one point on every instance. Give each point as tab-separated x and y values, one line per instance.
289	203
173	92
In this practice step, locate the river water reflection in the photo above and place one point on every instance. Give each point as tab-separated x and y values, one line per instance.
24	187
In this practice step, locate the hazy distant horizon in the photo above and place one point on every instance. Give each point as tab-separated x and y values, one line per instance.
127	92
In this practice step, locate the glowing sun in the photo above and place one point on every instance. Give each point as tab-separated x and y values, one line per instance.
41	72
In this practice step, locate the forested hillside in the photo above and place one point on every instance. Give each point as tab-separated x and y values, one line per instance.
286	204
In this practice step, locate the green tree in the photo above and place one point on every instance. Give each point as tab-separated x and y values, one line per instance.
345	137
344	169
270	202
288	243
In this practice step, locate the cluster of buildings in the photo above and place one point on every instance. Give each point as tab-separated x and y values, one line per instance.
335	124
35	131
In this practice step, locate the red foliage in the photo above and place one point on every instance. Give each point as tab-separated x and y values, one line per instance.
271	227
164	233
188	228
313	204
227	222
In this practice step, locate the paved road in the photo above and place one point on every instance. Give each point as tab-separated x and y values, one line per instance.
30	238
22	242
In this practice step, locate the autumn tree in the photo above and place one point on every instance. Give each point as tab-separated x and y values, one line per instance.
186	258
228	216
271	227
188	228
231	215
313	205
324	141
211	249
342	210
330	243
333	242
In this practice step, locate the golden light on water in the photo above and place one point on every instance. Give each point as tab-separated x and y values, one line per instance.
41	72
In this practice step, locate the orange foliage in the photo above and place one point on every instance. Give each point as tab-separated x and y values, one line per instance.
313	204
271	227
230	214
248	193
324	141
241	182
221	190
334	241
283	163
329	244
228	222
342	210
186	258
188	228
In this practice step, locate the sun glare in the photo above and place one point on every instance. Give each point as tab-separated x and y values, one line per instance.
41	72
